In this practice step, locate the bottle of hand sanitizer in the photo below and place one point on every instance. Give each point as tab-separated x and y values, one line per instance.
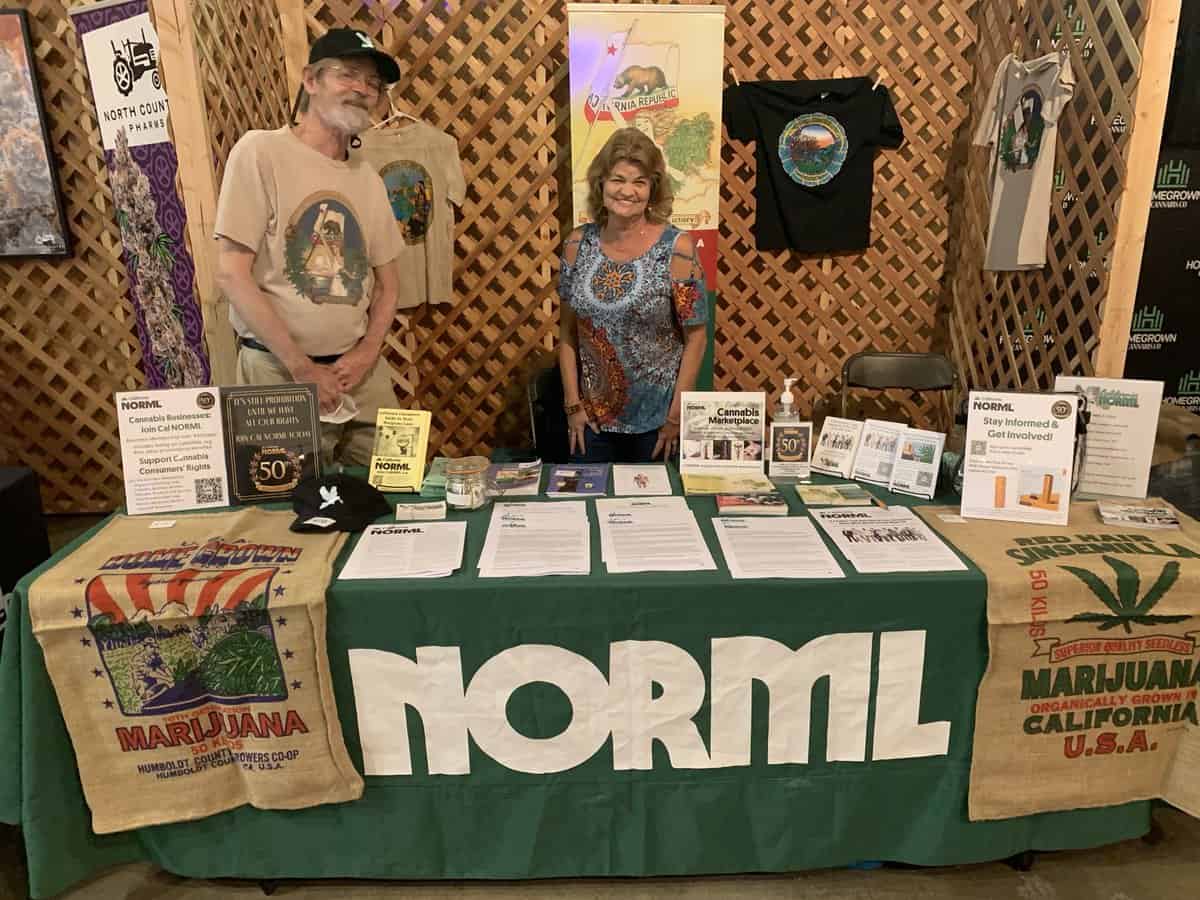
784	410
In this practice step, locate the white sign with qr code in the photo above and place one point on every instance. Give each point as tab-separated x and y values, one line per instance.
172	450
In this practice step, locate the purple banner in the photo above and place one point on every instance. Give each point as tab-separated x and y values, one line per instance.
120	48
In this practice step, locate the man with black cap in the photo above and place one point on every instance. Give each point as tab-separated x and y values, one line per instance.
307	245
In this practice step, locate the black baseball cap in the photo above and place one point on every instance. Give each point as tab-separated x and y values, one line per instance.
336	503
341	43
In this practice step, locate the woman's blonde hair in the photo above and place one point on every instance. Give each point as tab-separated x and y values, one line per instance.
630	145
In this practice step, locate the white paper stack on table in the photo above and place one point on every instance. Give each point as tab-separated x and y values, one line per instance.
526	539
775	548
418	550
886	540
641	481
651	534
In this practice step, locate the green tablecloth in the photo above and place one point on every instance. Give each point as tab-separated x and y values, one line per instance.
589	820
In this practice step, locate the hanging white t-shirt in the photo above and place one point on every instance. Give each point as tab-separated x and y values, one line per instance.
421	168
1020	119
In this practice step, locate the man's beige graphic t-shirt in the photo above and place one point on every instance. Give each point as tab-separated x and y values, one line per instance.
1021	120
423	173
318	226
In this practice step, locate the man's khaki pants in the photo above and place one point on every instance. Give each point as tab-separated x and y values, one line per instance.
350	442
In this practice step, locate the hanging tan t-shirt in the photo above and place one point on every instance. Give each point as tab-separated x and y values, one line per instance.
423	173
318	226
1021	119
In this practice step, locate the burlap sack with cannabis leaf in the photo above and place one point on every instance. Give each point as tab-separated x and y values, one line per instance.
190	665
1090	694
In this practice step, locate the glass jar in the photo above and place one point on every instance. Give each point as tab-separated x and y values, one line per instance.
466	483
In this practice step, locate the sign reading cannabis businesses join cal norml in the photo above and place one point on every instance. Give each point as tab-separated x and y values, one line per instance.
1090	695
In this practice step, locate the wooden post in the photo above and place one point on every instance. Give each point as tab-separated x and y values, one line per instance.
1158	51
294	32
189	126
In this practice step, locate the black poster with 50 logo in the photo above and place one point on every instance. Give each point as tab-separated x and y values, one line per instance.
272	439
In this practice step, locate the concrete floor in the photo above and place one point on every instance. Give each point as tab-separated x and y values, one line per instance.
1133	870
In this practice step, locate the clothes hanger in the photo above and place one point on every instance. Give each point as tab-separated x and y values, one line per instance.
878	80
395	115
732	72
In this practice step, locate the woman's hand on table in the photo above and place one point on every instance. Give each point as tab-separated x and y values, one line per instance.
577	426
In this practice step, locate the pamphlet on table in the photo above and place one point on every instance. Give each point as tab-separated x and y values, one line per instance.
721	433
641	481
848	494
1120	435
791	450
918	459
578	480
272	439
730	483
837	446
537	539
651	534
771	504
1020	452
775	548
423	511
877	448
433	486
417	550
1142	516
172	450
886	540
398	457
514	479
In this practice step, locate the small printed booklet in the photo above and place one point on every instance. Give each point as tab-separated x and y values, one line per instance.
516	479
833	495
641	481
1138	516
726	483
580	480
771	504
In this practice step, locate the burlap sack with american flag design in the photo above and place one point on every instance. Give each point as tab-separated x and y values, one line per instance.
190	665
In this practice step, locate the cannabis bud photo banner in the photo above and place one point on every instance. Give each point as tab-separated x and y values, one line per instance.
1090	694
120	48
189	662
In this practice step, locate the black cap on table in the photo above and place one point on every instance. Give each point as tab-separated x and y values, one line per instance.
337	503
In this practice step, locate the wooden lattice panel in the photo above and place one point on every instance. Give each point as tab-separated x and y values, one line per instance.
782	313
494	75
240	51
67	333
1019	329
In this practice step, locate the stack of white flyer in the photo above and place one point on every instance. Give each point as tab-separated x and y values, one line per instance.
417	550
886	540
651	534
775	548
537	539
641	481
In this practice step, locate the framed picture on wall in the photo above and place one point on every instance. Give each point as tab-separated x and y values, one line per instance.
32	222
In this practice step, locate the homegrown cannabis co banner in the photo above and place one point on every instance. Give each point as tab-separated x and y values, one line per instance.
1166	316
1090	694
658	69
120	48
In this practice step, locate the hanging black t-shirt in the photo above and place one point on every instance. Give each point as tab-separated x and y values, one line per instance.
816	152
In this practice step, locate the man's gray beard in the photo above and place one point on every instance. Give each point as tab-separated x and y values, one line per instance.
345	119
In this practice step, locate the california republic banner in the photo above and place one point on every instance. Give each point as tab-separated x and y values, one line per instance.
1090	694
658	69
188	656
120	47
